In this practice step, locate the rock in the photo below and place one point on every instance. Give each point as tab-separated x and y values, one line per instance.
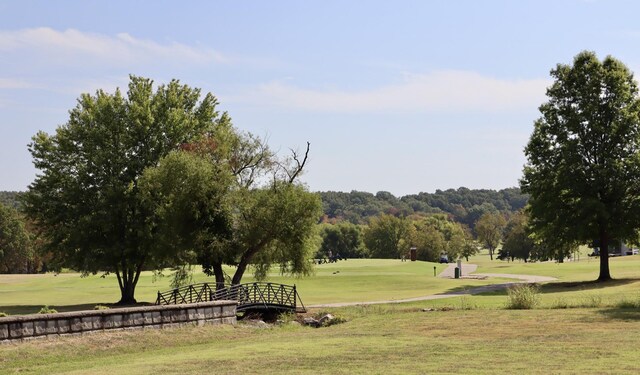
308	321
255	323
326	319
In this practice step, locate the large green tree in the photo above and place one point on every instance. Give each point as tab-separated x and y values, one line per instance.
343	238
387	236
489	229
227	199
86	198
518	244
15	242
583	158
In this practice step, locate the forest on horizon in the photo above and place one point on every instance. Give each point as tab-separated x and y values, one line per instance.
462	205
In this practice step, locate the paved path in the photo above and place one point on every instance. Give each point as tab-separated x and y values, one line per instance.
467	270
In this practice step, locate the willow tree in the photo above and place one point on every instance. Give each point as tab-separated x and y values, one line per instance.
583	158
228	200
86	197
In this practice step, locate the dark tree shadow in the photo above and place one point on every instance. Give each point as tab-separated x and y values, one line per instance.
34	309
626	314
558	287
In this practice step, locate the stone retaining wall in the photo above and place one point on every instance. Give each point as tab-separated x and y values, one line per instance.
28	326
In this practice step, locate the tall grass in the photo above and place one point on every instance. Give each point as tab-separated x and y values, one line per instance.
523	296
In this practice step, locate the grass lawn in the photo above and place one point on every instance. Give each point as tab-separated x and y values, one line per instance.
355	280
385	339
579	326
345	281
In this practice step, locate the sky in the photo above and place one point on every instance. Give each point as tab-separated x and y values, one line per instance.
398	96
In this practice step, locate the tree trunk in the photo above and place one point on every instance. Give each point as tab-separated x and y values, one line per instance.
237	276
604	257
127	280
219	274
491	253
244	262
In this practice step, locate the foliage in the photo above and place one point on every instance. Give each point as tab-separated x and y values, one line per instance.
231	201
583	158
518	244
489	229
463	205
387	236
86	199
16	252
47	310
10	198
343	239
436	235
3	314
523	296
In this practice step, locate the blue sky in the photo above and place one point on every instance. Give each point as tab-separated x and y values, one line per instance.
402	96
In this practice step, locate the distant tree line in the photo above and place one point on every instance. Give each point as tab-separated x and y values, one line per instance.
10	198
462	205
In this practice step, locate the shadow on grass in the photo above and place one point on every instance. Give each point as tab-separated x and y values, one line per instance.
556	287
549	287
34	309
626	314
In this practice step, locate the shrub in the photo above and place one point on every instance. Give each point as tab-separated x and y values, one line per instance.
523	296
466	304
3	314
101	307
47	310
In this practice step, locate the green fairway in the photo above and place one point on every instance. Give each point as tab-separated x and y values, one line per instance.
355	280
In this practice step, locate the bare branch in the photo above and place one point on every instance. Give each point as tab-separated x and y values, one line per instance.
299	165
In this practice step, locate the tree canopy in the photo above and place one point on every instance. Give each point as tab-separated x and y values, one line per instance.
583	158
86	199
229	200
489	229
15	242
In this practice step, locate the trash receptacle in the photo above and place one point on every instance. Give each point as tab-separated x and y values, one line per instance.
457	273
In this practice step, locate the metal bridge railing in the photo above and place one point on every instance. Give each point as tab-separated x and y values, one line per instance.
257	295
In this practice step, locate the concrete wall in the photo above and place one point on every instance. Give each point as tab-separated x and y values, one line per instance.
28	326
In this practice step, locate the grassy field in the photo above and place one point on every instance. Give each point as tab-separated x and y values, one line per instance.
579	326
354	280
385	339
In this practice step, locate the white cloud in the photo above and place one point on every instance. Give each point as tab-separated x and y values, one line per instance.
10	83
74	45
437	91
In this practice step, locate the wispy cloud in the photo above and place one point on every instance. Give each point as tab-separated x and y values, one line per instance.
436	91
10	83
73	44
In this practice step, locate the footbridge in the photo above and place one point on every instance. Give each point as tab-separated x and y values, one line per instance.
257	296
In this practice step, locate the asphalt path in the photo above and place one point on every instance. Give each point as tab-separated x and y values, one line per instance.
467	272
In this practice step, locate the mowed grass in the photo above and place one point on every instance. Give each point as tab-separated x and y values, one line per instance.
386	339
345	281
580	327
354	280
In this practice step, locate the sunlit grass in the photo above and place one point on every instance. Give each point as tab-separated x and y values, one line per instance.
354	280
375	339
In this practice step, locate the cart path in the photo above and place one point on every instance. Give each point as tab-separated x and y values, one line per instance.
467	270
